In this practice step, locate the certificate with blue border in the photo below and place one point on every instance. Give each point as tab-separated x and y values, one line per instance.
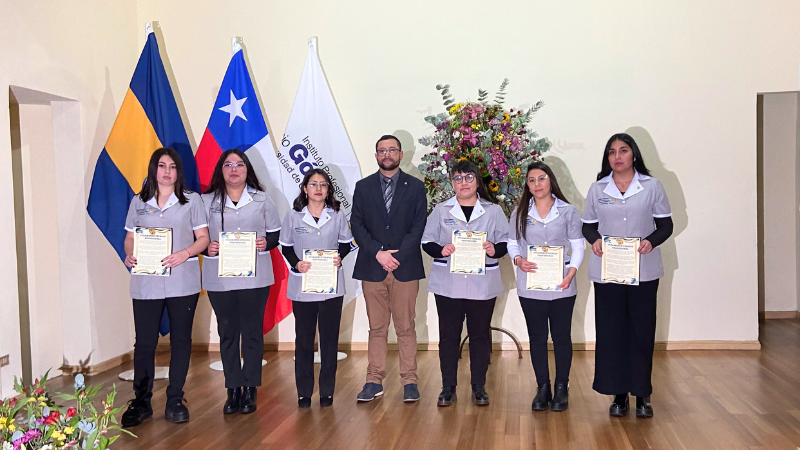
620	264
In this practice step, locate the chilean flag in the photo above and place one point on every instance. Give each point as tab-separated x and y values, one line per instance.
237	122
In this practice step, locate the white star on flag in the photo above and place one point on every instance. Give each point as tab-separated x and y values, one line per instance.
234	108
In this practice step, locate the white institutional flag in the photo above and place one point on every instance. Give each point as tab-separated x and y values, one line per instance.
315	137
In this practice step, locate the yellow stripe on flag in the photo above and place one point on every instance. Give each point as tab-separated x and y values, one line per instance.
132	141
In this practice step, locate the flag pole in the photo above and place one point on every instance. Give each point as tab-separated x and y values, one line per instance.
161	372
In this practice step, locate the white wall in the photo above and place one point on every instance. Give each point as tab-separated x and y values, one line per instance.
780	146
82	50
681	76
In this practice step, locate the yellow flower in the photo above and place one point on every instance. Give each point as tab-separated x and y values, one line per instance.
69	430
507	142
41	399
42	404
3	420
474	126
12	427
505	117
518	171
493	186
499	137
455	108
2	426
463	158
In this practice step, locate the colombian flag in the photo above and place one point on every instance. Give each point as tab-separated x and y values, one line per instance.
148	120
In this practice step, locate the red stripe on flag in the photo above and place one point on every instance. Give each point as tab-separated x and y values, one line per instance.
278	305
207	155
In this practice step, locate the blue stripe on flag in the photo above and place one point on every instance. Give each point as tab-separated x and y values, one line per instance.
109	199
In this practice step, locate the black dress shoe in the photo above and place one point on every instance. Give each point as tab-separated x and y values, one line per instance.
543	397
304	402
324	402
138	411
447	397
619	407
644	409
479	395
249	400
234	401
560	397
176	412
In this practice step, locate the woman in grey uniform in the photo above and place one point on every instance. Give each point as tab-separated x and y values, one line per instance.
235	201
165	203
544	217
458	295
315	223
626	202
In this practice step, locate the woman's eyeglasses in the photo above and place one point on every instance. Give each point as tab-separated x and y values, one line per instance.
468	178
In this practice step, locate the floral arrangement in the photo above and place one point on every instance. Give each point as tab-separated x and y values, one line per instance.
47	427
497	140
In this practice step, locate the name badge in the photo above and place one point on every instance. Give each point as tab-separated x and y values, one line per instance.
532	221
302	230
607	201
146	211
452	222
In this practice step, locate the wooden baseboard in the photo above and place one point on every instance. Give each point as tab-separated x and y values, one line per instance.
778	315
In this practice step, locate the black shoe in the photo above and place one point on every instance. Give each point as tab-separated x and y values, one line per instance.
560	397
324	402
479	395
234	401
138	411
619	408
305	402
644	409
249	395
448	396
543	397
176	412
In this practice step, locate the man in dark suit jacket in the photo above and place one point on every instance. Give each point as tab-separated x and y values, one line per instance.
387	220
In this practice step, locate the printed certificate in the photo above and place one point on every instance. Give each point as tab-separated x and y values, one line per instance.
321	278
620	260
549	262
469	257
150	246
237	254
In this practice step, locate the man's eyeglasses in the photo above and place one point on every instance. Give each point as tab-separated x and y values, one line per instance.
391	151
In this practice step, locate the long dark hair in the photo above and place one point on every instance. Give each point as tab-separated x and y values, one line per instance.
470	167
638	161
524	202
150	186
330	201
217	185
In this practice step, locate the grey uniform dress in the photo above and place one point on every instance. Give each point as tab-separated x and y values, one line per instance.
239	303
459	295
547	312
301	232
625	315
177	293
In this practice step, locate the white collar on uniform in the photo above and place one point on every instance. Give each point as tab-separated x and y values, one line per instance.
245	199
324	218
458	213
635	187
534	213
173	199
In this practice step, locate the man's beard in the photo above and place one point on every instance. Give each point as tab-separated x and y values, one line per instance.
393	165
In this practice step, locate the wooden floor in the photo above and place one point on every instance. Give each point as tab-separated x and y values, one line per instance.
702	400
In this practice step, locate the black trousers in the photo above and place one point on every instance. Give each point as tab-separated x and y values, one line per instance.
451	321
625	318
146	319
306	317
240	314
559	314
